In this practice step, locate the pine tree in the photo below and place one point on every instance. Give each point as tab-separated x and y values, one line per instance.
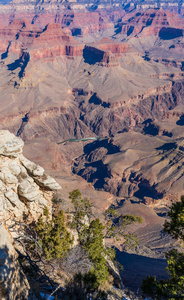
92	234
172	288
54	237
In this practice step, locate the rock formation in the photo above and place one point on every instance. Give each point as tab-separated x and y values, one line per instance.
152	22
25	191
83	72
25	188
137	165
13	282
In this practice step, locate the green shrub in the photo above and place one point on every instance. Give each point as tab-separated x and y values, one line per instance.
172	288
92	234
92	239
54	237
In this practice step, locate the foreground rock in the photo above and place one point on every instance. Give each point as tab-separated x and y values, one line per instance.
13	282
21	199
20	194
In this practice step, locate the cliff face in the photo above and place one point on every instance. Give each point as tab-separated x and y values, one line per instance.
49	42
25	191
25	188
136	165
52	41
152	22
13	282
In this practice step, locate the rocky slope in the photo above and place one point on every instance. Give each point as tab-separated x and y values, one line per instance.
25	191
13	282
25	188
133	164
123	82
64	88
152	22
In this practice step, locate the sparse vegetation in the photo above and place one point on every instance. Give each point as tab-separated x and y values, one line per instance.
172	288
116	227
85	266
54	237
92	235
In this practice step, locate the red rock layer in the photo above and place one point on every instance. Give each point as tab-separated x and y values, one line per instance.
49	42
108	45
53	41
150	22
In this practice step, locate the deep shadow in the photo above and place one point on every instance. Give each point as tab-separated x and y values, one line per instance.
170	33
20	63
146	190
24	121
105	143
98	172
130	30
149	22
180	122
93	7
92	55
118	28
94	170
5	54
76	31
137	267
150	127
146	56
97	101
166	133
167	146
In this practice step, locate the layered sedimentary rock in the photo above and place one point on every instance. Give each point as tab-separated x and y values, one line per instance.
152	22
13	282
132	164
20	194
121	80
22	200
22	37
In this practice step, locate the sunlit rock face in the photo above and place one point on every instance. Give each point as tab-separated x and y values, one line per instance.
21	200
24	187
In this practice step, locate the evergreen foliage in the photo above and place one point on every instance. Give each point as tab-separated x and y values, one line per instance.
92	239
82	210
92	234
173	288
116	226
175	226
81	287
54	237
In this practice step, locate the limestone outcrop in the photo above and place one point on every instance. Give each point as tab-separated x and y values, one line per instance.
25	188
13	282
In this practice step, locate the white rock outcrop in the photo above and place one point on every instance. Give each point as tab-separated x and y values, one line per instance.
10	145
25	190
24	187
13	282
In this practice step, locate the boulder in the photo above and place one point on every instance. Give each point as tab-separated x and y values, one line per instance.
10	145
13	282
25	188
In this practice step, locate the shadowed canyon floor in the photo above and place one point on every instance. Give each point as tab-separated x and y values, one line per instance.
121	79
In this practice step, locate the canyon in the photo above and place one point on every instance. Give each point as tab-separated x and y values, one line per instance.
115	74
